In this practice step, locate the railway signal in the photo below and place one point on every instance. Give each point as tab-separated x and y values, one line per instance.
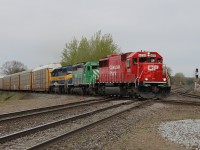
197	73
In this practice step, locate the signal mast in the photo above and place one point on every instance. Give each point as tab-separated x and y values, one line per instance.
196	82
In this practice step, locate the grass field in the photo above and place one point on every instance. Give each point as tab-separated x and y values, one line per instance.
11	96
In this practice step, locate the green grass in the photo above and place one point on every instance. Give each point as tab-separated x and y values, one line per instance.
10	96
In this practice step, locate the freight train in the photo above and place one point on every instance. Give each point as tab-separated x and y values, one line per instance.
136	74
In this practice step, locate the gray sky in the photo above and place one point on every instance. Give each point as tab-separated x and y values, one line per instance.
35	32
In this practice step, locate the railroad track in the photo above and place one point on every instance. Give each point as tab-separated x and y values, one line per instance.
189	95
39	111
184	92
179	90
179	102
105	114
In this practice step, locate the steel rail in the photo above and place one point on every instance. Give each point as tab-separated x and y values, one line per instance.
37	111
179	102
12	136
58	138
190	95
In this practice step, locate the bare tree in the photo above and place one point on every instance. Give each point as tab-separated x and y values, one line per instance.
11	67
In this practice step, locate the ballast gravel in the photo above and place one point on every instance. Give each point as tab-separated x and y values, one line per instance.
183	132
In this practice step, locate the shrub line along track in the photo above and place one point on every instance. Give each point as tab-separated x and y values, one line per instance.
37	111
60	137
66	120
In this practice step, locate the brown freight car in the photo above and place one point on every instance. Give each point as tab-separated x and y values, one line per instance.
6	83
15	82
1	83
26	81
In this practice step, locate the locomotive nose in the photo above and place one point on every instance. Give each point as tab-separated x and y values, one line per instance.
152	73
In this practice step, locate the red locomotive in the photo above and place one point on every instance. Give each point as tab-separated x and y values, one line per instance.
140	74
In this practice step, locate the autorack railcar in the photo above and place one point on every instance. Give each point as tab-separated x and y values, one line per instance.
26	81
15	82
1	82
6	83
41	77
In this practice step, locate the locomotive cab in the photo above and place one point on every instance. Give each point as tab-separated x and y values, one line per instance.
148	73
61	78
84	77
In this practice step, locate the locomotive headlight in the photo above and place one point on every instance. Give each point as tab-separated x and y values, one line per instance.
146	79
164	79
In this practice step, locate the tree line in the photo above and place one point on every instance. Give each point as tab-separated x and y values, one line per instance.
92	49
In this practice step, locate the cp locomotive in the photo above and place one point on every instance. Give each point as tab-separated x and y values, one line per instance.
140	74
134	74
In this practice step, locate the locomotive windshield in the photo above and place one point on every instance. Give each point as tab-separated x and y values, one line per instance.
61	72
150	60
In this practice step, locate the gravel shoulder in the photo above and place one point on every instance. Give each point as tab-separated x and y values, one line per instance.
135	130
145	135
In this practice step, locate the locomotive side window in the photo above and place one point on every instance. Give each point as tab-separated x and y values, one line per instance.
128	65
135	61
103	63
159	60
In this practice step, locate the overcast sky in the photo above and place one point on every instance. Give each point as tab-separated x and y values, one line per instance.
35	31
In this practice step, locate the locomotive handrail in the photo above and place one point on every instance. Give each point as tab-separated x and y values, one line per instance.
138	78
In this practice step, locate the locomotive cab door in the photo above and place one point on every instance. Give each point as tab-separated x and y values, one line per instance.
132	65
87	74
